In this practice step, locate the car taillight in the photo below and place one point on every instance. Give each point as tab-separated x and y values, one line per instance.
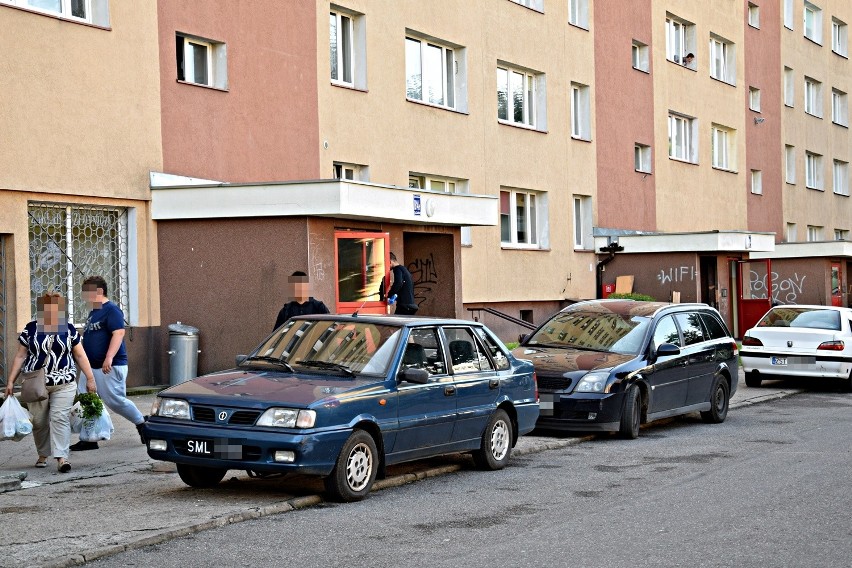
535	385
831	346
736	348
752	341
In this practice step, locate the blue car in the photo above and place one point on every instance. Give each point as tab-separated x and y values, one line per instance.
344	397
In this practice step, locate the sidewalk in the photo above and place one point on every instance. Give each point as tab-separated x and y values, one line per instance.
116	498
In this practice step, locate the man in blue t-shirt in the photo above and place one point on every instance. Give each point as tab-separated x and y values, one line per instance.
103	342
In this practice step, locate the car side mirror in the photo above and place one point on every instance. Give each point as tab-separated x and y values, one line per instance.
414	375
241	359
667	350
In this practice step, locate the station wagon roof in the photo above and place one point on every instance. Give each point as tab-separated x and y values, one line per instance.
631	307
392	320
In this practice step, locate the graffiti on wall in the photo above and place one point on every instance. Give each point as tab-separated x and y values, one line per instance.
317	268
676	274
424	275
783	290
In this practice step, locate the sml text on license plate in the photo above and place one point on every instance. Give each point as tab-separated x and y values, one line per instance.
200	447
781	361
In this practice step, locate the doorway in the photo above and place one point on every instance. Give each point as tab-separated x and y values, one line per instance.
362	264
754	292
709	286
430	259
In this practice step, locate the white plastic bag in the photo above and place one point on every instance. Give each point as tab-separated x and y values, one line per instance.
15	422
97	429
76	418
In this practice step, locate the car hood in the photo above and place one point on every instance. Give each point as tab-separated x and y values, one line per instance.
559	361
258	386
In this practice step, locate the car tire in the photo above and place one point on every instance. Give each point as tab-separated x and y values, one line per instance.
496	446
355	471
631	415
753	379
846	385
719	402
200	477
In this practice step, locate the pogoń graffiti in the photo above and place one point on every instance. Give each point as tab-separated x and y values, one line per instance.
784	291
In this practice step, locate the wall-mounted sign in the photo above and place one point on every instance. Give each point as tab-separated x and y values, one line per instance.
417	207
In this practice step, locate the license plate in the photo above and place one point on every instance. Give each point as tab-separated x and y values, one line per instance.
545	404
200	447
779	361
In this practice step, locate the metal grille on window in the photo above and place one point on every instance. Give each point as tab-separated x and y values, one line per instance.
70	243
3	309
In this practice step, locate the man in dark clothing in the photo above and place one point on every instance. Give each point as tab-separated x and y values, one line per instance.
402	289
301	302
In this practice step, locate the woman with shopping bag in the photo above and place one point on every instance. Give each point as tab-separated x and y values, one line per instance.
52	344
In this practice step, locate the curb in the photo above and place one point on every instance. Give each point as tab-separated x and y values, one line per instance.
81	558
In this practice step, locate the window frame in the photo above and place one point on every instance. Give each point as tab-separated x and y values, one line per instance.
753	15
756	182
450	89
581	112
813	97
840	171
533	117
216	61
578	13
815	34
582	235
839	37
754	99
639	56
347	52
680	32
815	233
788	14
722	152
98	17
723	60
839	107
813	171
688	132
790	164
841	234
789	87
642	158
534	214
791	233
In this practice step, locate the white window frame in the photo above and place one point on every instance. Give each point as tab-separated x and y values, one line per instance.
582	222
815	233
754	99
813	171
639	56
534	112
754	15
97	11
680	40
789	87
581	112
841	234
642	158
723	60
839	37
812	28
452	72
534	217
683	127
789	164
757	182
578	13
839	107
216	61
813	97
537	5
723	148
350	171
840	177
792	233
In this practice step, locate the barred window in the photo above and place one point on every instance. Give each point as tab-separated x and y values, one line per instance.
71	242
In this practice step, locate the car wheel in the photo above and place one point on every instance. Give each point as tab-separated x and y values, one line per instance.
355	471
753	379
201	477
719	399
631	416
496	446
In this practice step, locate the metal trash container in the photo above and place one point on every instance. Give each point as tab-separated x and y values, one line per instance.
183	353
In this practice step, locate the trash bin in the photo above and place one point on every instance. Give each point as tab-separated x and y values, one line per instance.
183	353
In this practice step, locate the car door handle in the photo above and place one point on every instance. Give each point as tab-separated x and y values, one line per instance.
449	391
493	383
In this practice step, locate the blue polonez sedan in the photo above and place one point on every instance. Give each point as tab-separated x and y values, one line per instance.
345	396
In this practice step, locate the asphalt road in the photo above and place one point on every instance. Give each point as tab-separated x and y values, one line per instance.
769	487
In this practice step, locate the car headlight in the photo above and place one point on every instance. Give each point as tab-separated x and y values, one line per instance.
593	382
288	418
171	408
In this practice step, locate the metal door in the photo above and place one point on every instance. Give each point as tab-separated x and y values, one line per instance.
754	293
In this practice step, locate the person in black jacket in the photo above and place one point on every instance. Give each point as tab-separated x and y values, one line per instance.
301	302
403	288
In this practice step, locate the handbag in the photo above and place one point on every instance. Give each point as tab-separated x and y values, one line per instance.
34	388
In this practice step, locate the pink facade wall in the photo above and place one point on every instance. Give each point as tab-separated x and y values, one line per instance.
265	126
624	101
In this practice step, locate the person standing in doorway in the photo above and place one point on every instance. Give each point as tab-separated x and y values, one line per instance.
103	342
300	303
402	288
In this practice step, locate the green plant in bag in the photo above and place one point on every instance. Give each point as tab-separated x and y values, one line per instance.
91	404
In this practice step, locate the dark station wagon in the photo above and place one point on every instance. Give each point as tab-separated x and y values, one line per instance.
610	365
345	396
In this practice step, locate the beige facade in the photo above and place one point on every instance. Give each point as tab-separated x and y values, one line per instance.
812	135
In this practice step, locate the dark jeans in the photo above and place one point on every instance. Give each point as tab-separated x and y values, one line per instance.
405	310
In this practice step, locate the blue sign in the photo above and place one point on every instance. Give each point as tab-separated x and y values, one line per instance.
417	205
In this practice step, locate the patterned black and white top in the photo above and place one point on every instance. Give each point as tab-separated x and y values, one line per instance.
51	351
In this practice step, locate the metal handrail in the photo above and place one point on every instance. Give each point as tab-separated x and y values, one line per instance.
505	316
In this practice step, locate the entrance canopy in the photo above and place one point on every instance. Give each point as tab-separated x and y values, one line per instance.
706	241
834	249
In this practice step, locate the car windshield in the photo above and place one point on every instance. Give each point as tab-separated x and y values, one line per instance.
610	332
339	347
795	316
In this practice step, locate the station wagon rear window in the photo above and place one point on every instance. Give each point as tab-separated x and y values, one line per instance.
793	316
610	332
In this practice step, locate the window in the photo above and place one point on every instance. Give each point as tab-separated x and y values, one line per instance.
642	158
813	97
446	185
841	234
754	99
792	233
523	219
788	14
340	44
518	95
813	171
789	94
839	108
690	327
640	56
840	177
813	23
814	233
69	243
666	332
723	60
343	170
753	15
578	13
201	61
722	148
581	126
537	5
682	145
680	41
583	239
757	182
89	11
790	164
466	354
434	73
839	37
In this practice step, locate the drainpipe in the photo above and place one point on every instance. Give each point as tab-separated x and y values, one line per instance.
610	251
